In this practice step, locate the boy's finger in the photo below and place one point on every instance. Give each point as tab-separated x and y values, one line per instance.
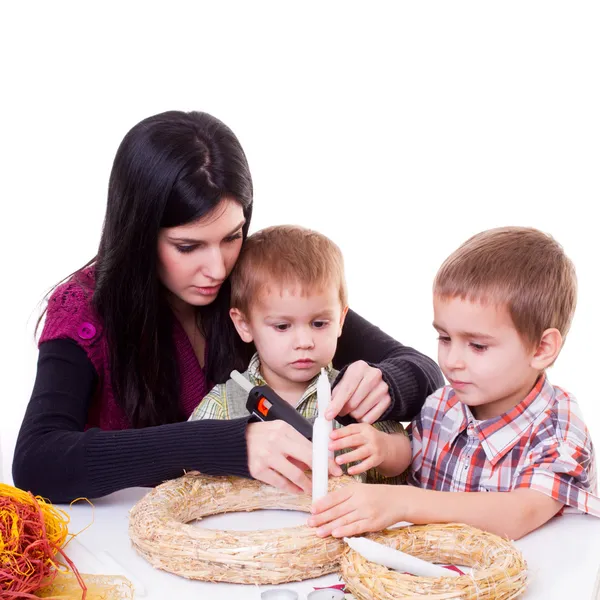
342	432
332	499
341	522
348	442
329	515
355	528
362	467
349	457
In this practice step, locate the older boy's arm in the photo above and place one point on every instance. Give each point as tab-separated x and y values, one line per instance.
358	508
508	514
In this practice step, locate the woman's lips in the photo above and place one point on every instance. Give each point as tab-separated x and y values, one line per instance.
207	290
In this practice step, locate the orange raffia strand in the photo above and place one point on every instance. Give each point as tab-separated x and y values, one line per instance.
32	533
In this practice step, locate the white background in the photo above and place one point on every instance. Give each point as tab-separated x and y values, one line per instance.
398	129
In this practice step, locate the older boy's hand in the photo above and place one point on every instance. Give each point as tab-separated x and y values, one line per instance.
357	508
362	393
369	446
279	455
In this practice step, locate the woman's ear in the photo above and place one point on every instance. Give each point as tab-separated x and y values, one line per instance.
547	350
342	319
241	324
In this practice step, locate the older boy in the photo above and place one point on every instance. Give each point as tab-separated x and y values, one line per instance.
499	448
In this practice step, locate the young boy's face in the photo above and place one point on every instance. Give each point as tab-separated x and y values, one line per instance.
295	333
482	355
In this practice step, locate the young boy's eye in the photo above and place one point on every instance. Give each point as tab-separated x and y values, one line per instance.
282	326
320	324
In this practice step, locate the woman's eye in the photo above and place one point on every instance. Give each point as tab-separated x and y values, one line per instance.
185	249
234	237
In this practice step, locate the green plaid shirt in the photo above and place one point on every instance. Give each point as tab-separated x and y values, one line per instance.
228	401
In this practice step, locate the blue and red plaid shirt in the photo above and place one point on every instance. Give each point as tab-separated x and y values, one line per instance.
542	444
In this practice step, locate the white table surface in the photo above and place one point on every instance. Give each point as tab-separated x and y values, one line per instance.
563	556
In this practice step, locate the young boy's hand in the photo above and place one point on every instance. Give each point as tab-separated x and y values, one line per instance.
357	508
370	446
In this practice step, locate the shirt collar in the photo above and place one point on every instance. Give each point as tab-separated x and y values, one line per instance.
499	434
256	378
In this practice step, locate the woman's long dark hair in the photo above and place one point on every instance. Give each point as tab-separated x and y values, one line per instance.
170	169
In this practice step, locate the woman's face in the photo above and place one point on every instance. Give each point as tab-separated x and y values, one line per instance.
195	259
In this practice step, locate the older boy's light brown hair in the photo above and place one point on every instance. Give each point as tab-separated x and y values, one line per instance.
521	268
286	255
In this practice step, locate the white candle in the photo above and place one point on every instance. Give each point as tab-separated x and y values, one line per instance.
395	559
322	429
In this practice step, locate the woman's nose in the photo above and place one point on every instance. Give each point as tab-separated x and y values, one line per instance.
214	264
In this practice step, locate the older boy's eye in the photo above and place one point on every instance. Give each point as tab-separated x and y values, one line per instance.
282	326
479	347
444	339
320	324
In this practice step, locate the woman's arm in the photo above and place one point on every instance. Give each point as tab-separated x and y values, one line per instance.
410	375
56	459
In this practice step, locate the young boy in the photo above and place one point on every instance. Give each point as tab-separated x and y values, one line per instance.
288	297
499	448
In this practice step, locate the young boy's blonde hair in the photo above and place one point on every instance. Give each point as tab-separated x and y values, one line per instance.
521	268
286	255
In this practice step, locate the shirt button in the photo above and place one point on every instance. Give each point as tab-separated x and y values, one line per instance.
86	331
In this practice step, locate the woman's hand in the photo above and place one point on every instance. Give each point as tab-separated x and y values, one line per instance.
279	455
362	393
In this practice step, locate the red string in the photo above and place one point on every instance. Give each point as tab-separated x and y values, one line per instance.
27	556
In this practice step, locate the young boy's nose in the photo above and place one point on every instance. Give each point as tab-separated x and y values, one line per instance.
304	339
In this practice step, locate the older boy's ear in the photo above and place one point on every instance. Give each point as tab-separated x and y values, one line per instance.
342	319
547	350
241	324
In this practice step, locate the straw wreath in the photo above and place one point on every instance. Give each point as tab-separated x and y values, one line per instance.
499	570
159	531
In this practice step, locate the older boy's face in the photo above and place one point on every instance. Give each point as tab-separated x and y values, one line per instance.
295	333
483	356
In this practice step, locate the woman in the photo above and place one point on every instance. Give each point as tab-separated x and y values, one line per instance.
133	340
